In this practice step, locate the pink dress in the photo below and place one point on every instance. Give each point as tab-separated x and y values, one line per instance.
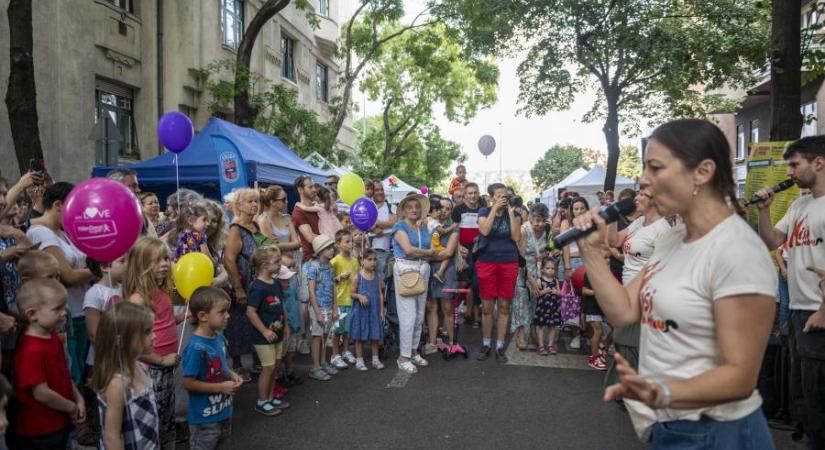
328	222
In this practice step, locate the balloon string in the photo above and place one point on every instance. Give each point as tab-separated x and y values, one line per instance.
177	181
183	328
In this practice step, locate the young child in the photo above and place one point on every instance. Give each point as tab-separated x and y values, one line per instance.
126	402
460	180
440	225
321	312
367	323
148	283
265	310
289	286
206	374
345	267
548	313
326	208
593	317
358	243
49	401
190	230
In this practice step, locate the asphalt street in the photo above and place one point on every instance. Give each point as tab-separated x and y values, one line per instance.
550	402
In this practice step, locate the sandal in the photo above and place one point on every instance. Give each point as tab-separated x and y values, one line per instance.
542	350
267	409
319	374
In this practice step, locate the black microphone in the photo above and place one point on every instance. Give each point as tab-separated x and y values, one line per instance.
610	214
778	188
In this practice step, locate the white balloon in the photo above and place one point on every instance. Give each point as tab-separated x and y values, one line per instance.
486	145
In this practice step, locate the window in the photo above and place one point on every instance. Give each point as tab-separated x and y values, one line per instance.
116	103
231	22
288	53
323	7
754	125
125	5
741	146
321	83
809	117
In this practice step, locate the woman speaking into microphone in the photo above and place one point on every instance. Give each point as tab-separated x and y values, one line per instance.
705	301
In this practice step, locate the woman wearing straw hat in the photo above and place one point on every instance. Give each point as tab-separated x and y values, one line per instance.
411	246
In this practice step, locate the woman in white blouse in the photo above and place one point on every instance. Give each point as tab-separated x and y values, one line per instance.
705	301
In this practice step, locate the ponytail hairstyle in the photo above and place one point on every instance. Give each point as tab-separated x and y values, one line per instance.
325	196
695	140
121	334
141	260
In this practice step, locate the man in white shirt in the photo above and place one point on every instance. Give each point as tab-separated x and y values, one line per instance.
386	219
803	231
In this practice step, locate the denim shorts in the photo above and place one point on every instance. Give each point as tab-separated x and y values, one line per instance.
748	433
209	436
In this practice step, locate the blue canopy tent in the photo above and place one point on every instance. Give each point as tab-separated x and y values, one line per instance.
220	158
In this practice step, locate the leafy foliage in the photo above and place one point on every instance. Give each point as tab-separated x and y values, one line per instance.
557	163
630	163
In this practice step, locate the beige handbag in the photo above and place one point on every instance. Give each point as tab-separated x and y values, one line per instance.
410	281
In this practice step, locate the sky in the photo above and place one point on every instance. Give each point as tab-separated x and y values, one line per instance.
522	141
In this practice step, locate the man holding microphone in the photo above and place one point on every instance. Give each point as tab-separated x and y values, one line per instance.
803	231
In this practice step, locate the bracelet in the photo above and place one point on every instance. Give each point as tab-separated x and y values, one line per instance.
667	394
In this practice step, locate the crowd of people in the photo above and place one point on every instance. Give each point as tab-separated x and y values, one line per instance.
682	290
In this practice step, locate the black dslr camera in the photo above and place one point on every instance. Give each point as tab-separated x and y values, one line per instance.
515	201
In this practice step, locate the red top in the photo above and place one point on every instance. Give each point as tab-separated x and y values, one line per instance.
164	328
37	361
455	185
301	217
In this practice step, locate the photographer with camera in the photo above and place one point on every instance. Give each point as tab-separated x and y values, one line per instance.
497	256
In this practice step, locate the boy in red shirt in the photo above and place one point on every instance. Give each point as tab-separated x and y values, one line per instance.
459	181
49	401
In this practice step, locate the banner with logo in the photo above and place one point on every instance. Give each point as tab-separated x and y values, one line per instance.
767	168
231	166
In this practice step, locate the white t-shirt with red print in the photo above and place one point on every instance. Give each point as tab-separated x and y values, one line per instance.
638	245
681	282
804	224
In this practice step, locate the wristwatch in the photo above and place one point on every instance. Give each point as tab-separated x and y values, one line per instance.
667	396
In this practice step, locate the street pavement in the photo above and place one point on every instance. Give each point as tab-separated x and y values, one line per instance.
550	402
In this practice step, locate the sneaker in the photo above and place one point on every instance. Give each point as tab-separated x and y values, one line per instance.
429	349
278	403
501	357
319	374
484	353
338	362
542	351
595	363
292	380
407	366
267	409
418	360
359	365
552	350
377	364
575	343
303	347
349	357
329	369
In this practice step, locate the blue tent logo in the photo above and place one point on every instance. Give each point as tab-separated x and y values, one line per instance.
229	167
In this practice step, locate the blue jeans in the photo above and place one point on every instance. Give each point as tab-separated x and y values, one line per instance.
748	433
784	302
209	436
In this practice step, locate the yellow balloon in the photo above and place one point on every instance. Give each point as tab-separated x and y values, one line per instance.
351	188
192	271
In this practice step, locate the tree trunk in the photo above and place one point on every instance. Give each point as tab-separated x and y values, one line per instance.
21	94
611	135
245	113
786	71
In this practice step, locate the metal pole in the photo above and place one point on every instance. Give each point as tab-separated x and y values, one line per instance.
500	152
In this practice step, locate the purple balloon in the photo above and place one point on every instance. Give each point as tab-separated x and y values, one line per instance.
363	214
175	131
102	218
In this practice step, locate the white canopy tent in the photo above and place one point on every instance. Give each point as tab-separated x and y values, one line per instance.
318	161
588	185
396	189
551	195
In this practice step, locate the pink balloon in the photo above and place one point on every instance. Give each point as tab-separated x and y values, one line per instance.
424	190
102	218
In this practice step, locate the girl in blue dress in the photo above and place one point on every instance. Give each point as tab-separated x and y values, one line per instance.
367	316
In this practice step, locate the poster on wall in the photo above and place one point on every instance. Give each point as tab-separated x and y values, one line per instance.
766	168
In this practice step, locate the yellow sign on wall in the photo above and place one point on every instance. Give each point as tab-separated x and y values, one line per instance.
767	168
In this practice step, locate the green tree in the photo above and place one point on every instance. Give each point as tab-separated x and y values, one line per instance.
426	158
644	59
630	164
518	188
557	163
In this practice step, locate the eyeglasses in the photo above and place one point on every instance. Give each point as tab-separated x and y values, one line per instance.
282	199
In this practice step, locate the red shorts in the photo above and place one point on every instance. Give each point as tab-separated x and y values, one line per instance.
497	280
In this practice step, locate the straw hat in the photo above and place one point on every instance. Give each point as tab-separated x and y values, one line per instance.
320	243
421	199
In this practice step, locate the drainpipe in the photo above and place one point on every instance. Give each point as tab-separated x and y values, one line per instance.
160	61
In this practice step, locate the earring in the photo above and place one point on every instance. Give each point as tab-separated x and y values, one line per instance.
695	190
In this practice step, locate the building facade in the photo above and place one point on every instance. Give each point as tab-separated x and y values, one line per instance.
751	122
129	61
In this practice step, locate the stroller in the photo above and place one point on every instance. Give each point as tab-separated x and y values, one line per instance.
392	342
